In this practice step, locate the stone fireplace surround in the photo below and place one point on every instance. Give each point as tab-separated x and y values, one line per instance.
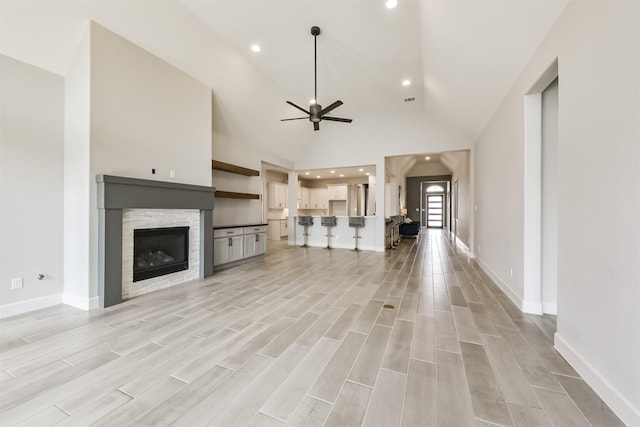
118	193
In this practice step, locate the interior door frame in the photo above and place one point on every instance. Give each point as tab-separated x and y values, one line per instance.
444	183
454	208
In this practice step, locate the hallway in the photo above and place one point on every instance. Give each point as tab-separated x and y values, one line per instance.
300	338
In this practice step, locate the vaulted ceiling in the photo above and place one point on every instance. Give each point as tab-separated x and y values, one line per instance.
461	56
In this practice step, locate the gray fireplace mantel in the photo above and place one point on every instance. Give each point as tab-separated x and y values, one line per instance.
116	193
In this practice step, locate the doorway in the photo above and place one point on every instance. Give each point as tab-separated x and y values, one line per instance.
434	208
455	201
541	119
549	200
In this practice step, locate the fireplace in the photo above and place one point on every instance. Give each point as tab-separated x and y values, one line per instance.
128	204
160	251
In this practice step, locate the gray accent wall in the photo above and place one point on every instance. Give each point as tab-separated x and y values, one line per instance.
118	193
413	193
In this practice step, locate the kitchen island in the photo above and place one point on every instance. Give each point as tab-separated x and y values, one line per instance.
342	234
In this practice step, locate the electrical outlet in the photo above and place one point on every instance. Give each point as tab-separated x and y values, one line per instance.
172	174
511	273
16	283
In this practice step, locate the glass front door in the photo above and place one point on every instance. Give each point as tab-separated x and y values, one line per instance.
435	210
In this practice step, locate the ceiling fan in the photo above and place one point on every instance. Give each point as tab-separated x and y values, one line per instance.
316	113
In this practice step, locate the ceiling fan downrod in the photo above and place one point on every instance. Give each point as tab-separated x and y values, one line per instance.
315	32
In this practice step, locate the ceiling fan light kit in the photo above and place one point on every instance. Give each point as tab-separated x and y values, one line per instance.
316	113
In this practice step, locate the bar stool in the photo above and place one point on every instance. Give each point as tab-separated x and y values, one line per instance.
395	231
328	221
305	221
357	222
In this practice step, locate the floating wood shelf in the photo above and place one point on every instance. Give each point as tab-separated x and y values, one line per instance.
227	167
233	195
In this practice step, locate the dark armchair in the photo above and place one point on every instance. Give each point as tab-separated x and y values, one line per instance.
410	229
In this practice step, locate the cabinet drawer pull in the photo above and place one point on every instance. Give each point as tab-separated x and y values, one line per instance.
230	241
229	232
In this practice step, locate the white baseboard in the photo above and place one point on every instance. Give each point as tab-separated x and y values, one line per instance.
501	284
531	307
80	302
29	305
619	404
549	307
461	243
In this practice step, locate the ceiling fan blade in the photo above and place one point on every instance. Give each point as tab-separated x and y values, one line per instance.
297	118
316	126
337	119
299	108
330	107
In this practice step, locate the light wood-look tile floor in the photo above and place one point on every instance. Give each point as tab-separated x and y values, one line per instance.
300	338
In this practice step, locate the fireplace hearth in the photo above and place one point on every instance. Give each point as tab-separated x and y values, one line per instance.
160	251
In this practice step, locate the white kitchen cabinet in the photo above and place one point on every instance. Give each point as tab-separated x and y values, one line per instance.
237	243
227	249
277	195
304	198
255	241
337	192
278	228
273	230
317	198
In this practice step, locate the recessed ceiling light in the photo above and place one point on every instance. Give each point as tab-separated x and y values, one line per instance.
360	170
255	48
427	158
391	4
368	174
341	176
318	176
306	173
406	82
333	171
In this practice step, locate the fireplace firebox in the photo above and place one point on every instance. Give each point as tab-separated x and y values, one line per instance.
159	251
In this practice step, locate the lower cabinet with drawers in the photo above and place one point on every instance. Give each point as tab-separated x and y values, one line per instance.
239	242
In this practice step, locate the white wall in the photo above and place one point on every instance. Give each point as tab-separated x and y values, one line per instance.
243	97
597	45
77	182
391	199
144	114
31	186
461	173
430	168
370	140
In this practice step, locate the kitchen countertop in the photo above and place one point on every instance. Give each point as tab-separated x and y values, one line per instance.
217	227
